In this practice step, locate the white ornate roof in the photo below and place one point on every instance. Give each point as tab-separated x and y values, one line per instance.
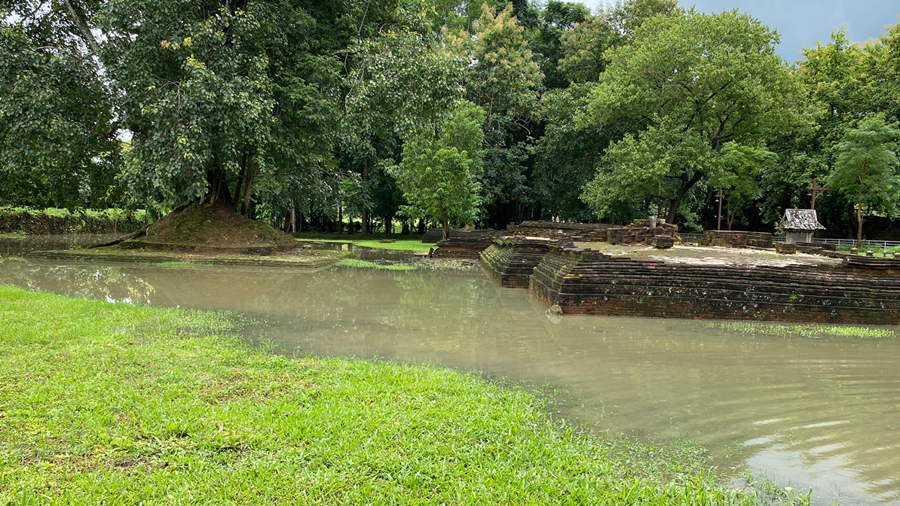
800	220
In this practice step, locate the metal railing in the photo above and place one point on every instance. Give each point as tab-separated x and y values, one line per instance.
883	245
866	243
699	237
691	237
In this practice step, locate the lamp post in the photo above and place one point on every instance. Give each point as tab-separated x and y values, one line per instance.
816	190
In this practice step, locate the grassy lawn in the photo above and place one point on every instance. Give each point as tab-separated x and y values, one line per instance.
403	243
115	404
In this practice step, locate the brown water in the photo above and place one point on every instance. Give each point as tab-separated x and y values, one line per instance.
821	413
18	244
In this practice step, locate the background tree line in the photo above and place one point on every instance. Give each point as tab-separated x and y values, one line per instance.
304	113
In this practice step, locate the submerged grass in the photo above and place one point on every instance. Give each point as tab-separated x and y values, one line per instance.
177	265
365	264
814	331
116	404
400	243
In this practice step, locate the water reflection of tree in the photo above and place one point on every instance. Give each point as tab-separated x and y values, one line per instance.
79	280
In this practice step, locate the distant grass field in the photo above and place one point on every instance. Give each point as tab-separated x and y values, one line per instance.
116	404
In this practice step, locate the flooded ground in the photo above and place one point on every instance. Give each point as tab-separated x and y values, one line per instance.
808	412
18	244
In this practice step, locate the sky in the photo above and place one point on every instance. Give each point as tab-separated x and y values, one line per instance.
803	22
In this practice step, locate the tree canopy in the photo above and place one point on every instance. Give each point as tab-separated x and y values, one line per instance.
866	170
689	84
312	112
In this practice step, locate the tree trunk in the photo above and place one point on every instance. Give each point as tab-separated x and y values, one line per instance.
365	213
248	183
246	203
686	185
405	230
219	193
240	184
421	227
340	223
445	225
293	217
859	226
728	213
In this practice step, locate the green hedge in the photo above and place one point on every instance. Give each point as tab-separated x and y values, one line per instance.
63	221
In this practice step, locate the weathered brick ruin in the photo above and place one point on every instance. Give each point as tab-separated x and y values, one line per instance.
640	232
577	232
858	290
511	260
469	245
465	245
737	239
435	235
585	282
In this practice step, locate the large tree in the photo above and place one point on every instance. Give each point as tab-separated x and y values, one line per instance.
438	174
689	84
58	142
399	82
866	169
503	78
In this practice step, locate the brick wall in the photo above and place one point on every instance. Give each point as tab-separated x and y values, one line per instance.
640	232
737	239
579	232
584	282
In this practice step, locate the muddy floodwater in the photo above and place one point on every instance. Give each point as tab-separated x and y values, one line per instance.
806	411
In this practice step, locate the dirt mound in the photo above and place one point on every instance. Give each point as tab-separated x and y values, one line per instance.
214	228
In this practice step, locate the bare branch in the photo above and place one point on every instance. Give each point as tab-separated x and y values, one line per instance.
84	28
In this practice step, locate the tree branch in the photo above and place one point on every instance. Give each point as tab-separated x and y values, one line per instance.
84	28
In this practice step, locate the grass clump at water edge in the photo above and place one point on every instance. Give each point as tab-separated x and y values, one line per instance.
118	404
365	264
801	330
181	264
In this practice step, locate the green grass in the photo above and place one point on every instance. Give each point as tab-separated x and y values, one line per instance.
876	250
402	243
116	404
780	330
365	264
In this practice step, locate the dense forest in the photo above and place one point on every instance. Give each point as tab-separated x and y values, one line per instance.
305	113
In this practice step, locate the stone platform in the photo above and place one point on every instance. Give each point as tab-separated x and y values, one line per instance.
576	232
467	246
850	290
584	282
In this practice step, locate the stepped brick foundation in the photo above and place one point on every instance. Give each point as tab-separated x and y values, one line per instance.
467	246
857	291
511	260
